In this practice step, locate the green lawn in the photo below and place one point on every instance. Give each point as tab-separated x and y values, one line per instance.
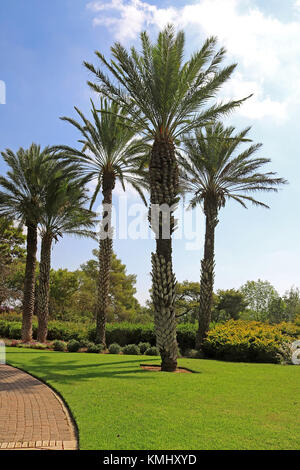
224	406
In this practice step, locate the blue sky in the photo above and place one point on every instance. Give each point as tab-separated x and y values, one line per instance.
42	47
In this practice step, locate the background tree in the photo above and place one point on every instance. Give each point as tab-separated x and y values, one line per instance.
277	311
187	301
213	175
232	302
259	295
292	301
165	98
110	153
123	306
12	251
63	285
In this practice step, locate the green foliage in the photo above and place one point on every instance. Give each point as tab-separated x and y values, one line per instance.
246	342
12	242
259	295
12	253
131	349
187	301
143	347
291	299
122	333
72	293
59	345
73	345
114	348
15	331
231	302
153	351
63	284
126	333
94	348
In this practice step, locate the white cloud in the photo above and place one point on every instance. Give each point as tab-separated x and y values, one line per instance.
297	5
267	50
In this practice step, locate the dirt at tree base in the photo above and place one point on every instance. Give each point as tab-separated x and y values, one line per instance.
158	369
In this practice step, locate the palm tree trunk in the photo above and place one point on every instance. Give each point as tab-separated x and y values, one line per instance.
163	190
105	259
29	283
207	274
43	288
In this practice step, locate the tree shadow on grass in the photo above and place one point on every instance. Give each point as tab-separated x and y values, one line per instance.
71	371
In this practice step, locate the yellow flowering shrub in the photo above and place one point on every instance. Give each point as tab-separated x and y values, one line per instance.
249	341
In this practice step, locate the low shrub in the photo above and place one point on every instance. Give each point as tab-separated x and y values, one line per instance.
59	345
153	351
24	345
15	330
114	348
40	345
73	345
144	346
192	354
94	348
131	349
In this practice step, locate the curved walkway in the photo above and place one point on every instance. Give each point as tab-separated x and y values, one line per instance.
32	416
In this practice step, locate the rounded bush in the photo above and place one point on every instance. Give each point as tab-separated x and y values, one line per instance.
59	345
73	345
192	353
114	348
131	349
94	348
144	346
153	351
15	331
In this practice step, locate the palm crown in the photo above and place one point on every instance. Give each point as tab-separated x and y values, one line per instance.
160	93
109	148
213	175
65	209
22	191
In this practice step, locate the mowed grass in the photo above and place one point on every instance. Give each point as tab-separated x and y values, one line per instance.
223	406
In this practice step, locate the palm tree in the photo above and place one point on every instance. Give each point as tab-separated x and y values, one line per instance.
64	212
21	198
110	153
166	98
214	175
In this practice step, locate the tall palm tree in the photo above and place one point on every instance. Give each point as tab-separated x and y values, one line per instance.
110	152
64	212
21	198
214	175
166	98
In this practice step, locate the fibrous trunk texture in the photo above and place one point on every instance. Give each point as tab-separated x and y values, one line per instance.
164	190
207	274
29	283
105	258
43	288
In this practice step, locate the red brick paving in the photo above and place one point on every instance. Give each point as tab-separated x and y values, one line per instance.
31	414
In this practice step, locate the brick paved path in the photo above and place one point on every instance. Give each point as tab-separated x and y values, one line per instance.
31	414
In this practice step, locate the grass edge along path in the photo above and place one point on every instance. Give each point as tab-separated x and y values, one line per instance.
117	405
